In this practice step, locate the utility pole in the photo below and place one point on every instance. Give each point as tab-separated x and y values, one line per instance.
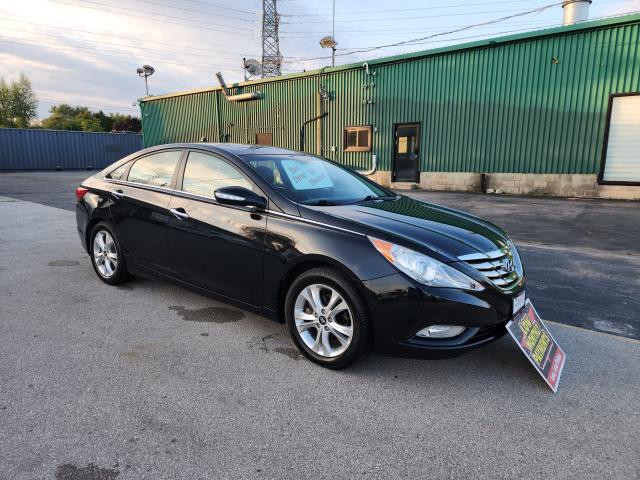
271	56
333	35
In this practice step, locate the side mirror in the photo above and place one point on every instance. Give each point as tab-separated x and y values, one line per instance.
240	197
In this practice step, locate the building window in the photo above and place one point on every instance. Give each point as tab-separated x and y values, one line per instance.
357	139
264	138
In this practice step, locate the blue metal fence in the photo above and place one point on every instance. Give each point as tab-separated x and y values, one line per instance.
36	149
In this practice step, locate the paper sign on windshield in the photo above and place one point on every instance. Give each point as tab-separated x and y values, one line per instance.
306	176
537	344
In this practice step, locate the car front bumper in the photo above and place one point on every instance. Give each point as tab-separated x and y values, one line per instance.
400	307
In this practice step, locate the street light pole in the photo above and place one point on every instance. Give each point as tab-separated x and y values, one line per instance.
144	72
329	41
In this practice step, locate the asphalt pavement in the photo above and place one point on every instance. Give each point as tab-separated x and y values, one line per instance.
151	381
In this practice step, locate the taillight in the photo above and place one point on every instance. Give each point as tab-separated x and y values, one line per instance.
80	193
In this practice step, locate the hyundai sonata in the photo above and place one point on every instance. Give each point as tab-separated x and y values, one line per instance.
346	263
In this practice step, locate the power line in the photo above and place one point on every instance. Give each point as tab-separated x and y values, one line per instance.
378	31
54	101
420	42
484	35
202	12
235	31
102	43
232	55
135	39
412	17
435	7
125	57
469	37
226	7
449	32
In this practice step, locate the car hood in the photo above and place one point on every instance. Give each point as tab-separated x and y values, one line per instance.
443	230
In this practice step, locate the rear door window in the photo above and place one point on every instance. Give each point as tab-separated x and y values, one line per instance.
156	169
204	174
119	173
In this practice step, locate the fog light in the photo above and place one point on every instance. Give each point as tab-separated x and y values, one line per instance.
441	331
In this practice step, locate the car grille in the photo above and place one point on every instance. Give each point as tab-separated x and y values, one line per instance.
498	266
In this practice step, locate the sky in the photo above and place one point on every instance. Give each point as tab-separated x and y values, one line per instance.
85	52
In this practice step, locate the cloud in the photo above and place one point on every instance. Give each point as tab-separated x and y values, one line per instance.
86	51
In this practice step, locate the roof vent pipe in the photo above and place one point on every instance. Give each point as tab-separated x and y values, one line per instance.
575	11
243	97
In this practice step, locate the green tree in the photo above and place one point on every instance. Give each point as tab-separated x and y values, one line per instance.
66	117
5	104
24	102
18	103
126	123
106	121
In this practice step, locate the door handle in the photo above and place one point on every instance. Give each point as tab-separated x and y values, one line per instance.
117	193
179	213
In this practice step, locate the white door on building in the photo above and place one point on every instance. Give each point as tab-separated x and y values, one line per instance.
622	161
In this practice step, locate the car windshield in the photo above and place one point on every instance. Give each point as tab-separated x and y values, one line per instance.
312	180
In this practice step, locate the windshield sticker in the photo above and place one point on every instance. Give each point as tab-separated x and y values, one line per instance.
306	176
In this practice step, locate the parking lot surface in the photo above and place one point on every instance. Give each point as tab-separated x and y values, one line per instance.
149	381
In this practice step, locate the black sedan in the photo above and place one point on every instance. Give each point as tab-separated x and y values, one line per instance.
346	263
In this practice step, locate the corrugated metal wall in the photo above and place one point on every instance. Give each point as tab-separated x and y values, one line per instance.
36	149
530	105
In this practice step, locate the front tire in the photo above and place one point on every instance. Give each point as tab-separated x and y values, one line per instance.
107	256
327	318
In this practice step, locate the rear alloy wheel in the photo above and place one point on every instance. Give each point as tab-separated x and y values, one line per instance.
106	256
326	318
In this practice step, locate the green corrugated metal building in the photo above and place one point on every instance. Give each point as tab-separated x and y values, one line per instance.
548	112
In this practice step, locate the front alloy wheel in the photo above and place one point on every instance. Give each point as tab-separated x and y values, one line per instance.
327	318
323	320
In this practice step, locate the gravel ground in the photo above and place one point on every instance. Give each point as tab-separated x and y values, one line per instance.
150	381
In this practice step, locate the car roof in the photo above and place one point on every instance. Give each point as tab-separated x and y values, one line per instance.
237	149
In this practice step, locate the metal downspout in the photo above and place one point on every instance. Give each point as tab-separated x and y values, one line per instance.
306	122
374	166
374	158
218	119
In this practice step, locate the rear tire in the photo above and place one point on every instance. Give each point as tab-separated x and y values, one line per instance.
327	318
107	256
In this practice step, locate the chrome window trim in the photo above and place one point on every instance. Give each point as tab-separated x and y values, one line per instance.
146	186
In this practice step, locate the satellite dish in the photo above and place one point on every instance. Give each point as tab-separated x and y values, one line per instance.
253	67
328	42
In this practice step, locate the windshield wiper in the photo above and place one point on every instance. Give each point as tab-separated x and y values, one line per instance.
322	202
368	198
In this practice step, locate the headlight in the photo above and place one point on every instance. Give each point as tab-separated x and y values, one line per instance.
424	269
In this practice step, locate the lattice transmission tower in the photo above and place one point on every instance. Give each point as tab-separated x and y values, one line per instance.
271	56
